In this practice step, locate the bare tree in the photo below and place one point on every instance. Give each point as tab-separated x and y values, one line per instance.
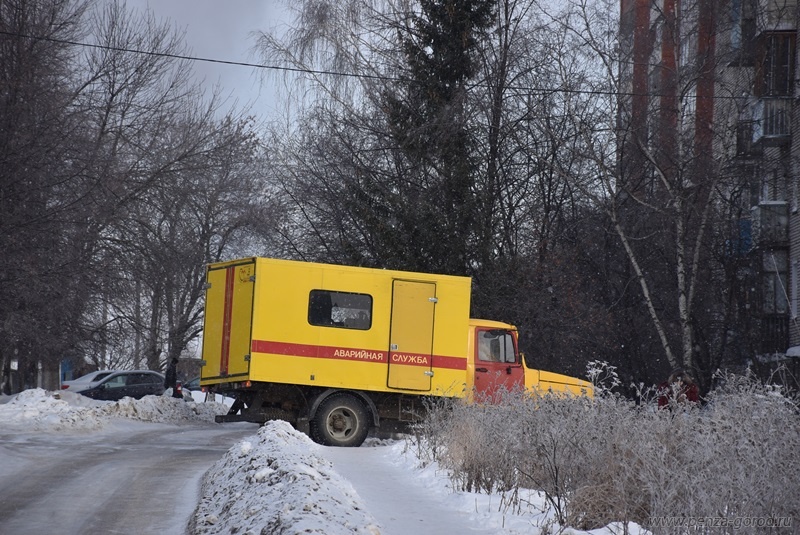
198	213
41	287
103	131
182	187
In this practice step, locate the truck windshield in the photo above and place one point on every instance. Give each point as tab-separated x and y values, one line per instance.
496	345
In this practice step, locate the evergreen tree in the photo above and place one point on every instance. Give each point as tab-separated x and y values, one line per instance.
428	122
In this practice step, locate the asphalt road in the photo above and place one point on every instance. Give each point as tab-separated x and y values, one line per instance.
134	479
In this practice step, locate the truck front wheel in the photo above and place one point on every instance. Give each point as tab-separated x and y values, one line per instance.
341	420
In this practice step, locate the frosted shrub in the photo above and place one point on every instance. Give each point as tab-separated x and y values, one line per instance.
468	437
608	459
603	376
429	441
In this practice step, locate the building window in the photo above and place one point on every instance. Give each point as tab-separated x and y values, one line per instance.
775	297
777	68
744	138
340	309
743	31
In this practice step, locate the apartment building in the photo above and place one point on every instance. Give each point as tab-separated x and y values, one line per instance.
713	82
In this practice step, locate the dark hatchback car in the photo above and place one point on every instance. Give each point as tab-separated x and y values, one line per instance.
193	384
115	385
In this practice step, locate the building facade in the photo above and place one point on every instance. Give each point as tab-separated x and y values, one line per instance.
711	84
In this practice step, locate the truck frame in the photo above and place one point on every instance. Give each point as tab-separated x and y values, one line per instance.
339	350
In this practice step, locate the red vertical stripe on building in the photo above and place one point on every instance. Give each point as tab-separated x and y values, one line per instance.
706	52
667	130
225	350
642	45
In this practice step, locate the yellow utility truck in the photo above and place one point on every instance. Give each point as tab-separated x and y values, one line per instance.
338	350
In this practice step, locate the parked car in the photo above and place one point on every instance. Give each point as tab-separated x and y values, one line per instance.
86	381
193	384
192	391
112	385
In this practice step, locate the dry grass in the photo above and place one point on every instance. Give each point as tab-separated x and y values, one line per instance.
608	459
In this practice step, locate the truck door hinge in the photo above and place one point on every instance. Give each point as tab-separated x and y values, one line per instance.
433	299
429	373
252	278
247	358
207	286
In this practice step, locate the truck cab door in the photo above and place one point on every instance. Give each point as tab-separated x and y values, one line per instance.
411	335
498	367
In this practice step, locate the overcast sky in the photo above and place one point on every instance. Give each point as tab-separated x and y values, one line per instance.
220	29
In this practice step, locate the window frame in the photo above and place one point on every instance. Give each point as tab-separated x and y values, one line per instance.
774	276
776	66
321	305
506	336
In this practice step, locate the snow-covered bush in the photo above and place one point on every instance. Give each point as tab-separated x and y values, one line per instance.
610	459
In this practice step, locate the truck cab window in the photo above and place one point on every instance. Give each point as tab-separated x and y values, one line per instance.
340	309
496	346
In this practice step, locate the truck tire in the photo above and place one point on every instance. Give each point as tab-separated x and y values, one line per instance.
341	420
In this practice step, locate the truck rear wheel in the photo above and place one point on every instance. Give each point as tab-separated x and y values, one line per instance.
341	420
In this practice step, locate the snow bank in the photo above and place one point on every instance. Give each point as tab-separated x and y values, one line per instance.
43	410
277	482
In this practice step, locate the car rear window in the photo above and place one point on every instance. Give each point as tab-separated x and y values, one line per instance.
91	377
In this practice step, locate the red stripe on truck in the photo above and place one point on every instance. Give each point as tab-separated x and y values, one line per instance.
358	354
226	322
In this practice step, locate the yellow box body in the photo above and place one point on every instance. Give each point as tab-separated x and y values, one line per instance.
259	327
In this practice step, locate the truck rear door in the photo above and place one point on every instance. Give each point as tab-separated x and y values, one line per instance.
228	320
411	335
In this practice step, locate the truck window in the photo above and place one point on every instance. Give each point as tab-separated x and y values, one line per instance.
340	309
496	346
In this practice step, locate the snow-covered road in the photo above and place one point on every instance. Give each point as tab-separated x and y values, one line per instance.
133	478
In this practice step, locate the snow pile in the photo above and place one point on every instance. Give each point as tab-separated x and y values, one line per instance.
44	410
277	482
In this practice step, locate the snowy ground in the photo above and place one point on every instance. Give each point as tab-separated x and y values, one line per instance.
279	481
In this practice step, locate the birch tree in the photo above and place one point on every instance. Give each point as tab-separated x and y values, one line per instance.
658	179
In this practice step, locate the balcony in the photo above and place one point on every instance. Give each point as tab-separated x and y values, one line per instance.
770	221
772	120
776	14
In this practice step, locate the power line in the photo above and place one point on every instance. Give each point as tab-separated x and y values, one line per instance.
305	70
201	59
